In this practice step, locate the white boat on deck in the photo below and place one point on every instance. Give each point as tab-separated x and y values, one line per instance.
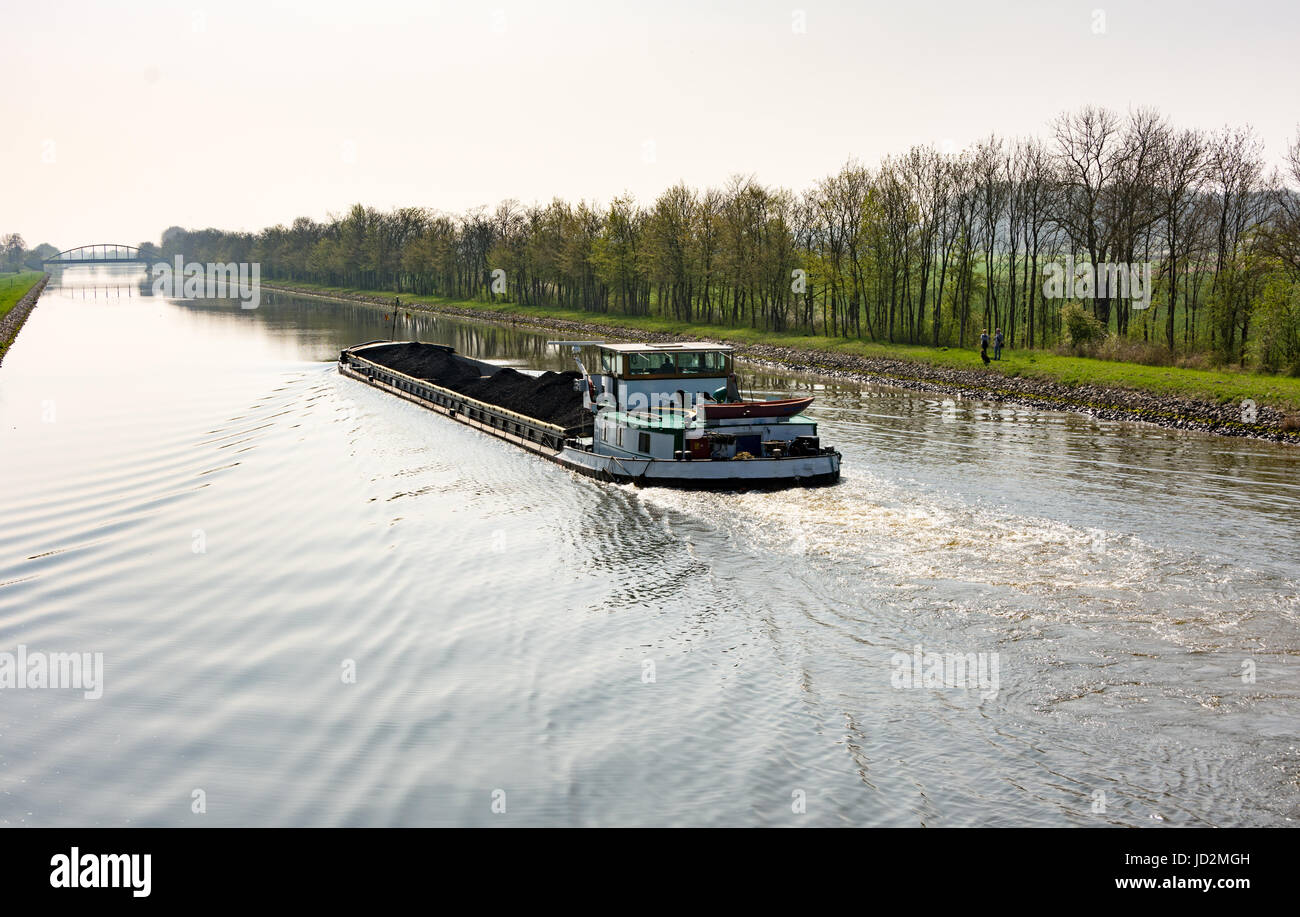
654	415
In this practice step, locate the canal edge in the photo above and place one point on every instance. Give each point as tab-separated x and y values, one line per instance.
13	321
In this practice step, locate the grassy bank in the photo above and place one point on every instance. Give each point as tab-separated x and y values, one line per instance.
14	287
1219	386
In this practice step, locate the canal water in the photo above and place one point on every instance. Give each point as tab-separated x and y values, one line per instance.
317	604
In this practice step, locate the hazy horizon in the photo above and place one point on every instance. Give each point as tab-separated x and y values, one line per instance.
125	122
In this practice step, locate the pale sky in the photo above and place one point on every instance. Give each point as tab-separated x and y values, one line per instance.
121	119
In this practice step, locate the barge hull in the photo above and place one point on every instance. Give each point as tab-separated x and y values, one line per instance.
822	479
755	474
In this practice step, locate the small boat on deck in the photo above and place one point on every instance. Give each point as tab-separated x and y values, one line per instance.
787	407
651	414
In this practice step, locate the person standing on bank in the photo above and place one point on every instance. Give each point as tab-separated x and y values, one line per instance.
984	346
997	344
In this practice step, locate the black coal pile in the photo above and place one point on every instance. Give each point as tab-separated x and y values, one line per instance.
424	361
550	397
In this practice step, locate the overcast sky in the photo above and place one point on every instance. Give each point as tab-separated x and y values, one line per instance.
122	119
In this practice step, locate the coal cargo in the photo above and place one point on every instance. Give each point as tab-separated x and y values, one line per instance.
551	397
430	362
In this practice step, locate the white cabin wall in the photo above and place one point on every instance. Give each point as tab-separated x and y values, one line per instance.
667	388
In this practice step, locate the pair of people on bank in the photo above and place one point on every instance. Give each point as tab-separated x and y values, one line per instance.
984	345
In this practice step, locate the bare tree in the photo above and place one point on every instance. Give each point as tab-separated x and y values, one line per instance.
1180	175
1090	150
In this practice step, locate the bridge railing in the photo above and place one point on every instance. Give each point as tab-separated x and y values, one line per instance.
98	253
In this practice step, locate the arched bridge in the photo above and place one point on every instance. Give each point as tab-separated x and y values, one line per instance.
99	253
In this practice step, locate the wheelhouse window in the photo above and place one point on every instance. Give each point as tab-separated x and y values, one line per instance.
651	364
701	363
681	363
610	362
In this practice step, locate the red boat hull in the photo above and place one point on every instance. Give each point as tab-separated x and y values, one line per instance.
734	410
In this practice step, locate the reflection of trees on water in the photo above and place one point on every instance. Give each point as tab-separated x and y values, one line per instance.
339	323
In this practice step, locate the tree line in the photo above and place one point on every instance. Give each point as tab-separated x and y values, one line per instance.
16	256
926	247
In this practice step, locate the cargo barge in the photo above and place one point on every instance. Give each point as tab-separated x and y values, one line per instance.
665	415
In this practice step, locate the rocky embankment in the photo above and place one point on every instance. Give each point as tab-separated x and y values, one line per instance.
1108	403
14	318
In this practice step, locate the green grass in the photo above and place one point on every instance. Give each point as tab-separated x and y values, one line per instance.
1221	386
14	287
